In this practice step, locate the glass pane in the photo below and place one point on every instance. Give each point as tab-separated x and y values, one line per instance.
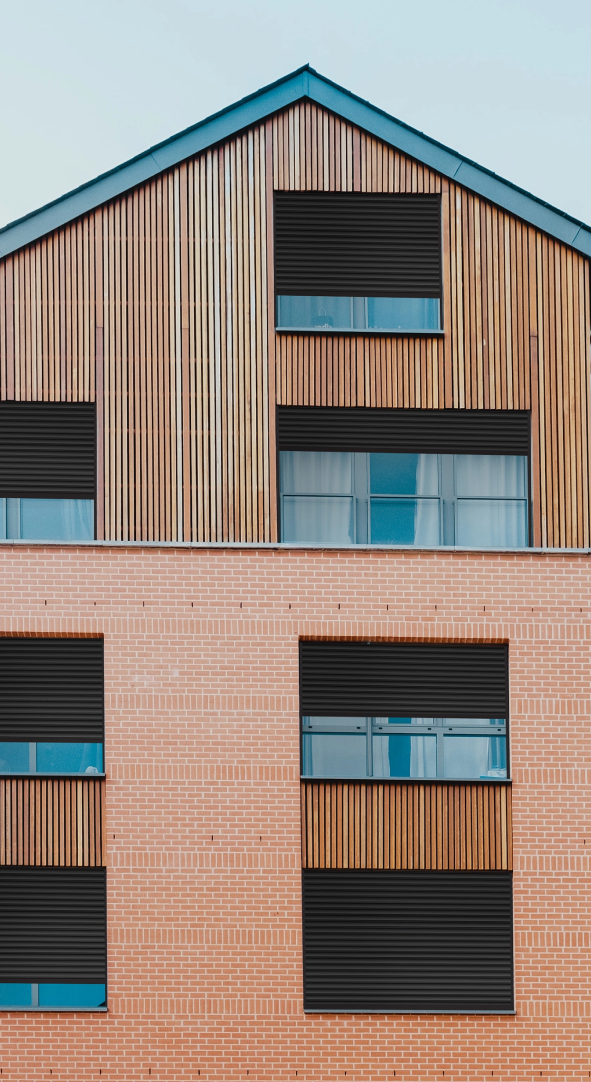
57	520
15	995
404	522
325	313
492	523
318	518
404	475
403	313
491	475
400	756
72	995
14	758
70	758
475	757
316	472
328	755
473	721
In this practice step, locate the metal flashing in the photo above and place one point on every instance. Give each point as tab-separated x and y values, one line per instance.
300	84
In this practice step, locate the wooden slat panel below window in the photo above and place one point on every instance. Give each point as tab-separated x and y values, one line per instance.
52	821
406	825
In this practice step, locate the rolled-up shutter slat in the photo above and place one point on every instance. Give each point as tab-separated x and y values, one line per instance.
47	450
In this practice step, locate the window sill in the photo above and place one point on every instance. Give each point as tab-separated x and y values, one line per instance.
54	1010
49	774
406	781
362	332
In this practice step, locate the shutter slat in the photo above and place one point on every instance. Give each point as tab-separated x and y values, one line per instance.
357	244
51	690
407	941
53	925
47	450
403	679
417	431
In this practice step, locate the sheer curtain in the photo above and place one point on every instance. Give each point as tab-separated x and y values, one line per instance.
317	502
491	500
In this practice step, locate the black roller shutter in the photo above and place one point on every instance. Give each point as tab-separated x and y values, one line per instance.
471	432
51	690
357	244
47	450
53	925
407	941
403	679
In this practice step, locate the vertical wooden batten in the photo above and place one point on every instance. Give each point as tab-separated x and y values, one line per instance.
52	822
403	825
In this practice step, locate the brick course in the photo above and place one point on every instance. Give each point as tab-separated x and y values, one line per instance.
202	742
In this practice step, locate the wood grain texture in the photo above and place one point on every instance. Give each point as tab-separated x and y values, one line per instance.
53	822
160	305
503	282
403	825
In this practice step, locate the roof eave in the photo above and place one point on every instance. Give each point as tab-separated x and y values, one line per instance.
301	84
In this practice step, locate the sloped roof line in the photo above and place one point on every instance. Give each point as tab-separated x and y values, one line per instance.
304	83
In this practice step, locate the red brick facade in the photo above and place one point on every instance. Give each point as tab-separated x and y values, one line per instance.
202	762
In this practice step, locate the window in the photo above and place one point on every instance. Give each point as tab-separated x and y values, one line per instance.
407	941
51	706
47	471
464	683
464	487
357	261
52	938
404	747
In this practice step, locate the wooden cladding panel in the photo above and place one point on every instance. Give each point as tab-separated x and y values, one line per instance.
163	294
51	821
160	305
400	825
509	291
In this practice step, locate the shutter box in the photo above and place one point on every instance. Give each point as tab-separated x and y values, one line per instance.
407	941
47	450
53	925
51	690
364	244
417	431
403	679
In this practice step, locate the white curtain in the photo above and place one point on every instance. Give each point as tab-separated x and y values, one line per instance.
491	503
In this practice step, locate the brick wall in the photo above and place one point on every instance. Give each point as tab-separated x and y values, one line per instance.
203	808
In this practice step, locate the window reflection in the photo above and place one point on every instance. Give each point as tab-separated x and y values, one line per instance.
50	758
358	313
46	520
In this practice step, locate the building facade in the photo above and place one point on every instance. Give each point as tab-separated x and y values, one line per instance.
294	637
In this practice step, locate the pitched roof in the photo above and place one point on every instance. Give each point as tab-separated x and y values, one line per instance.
300	84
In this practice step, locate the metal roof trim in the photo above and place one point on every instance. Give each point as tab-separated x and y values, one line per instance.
302	83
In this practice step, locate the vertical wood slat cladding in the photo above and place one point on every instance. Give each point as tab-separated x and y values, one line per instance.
398	825
52	822
504	282
159	304
166	289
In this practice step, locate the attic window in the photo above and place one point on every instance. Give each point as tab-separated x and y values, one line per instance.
357	261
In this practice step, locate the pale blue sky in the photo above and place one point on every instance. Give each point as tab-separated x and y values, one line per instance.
83	86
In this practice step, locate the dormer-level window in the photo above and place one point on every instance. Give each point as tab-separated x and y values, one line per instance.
404	477
357	261
47	471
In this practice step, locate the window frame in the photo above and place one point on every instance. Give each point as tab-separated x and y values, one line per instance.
437	729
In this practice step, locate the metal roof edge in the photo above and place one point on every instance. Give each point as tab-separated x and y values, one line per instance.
302	83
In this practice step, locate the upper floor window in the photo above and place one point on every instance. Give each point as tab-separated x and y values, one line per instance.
354	697
47	471
435	477
51	706
357	261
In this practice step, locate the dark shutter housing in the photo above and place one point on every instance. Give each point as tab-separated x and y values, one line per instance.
47	450
407	941
53	925
51	690
357	244
403	679
418	431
